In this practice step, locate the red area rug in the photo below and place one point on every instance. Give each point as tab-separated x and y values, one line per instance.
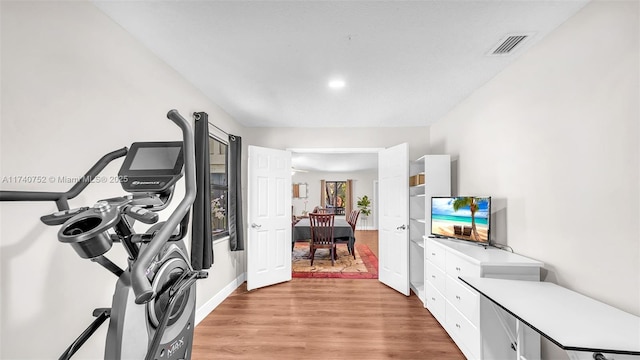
365	265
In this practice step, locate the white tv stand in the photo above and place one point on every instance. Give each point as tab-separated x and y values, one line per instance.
477	329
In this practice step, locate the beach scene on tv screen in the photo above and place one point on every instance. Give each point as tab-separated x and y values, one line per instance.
449	222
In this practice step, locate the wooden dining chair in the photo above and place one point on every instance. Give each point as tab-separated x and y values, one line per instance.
320	210
322	234
352	219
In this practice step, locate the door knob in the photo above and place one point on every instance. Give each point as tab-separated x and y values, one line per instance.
401	227
255	226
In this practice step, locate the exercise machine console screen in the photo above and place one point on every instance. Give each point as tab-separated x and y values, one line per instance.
152	167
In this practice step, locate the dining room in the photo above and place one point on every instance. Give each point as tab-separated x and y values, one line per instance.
343	184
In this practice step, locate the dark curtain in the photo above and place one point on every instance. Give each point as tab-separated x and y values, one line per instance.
201	244
236	228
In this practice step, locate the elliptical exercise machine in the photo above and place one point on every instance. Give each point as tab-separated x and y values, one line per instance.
153	308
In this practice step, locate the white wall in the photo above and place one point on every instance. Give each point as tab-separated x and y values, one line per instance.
75	86
283	138
362	185
554	139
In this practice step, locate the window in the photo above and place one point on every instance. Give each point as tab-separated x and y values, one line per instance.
219	187
335	196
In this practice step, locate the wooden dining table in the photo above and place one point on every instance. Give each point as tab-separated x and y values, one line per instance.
341	229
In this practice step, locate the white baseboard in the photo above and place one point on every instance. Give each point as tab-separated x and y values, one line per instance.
366	228
213	303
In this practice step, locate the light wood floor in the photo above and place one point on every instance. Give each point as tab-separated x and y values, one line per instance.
368	237
322	319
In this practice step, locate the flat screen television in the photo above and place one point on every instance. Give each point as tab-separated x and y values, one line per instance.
462	217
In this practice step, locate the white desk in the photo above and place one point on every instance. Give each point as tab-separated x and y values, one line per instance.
578	324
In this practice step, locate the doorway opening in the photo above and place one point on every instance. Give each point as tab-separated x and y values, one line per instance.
325	173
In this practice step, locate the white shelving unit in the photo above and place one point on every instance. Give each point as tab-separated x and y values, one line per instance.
437	174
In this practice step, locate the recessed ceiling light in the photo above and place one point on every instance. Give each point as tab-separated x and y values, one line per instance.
337	84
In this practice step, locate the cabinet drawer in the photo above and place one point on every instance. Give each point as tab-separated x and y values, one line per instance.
462	331
436	277
435	302
457	266
464	299
436	254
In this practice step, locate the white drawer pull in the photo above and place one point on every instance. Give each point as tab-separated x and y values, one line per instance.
458	326
434	299
457	268
457	297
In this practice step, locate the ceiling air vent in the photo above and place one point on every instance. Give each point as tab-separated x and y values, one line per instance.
510	42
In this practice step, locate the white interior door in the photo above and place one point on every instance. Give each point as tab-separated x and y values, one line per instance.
269	217
393	210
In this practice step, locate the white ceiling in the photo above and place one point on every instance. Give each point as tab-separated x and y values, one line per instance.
334	160
268	63
405	63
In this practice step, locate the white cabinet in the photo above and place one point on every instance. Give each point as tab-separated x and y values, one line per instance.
434	174
468	318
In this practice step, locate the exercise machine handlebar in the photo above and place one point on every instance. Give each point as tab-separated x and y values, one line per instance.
61	198
139	282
